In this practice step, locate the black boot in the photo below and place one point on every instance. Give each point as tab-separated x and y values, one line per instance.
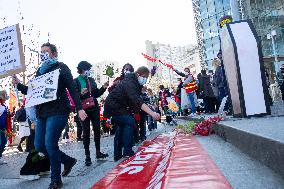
68	167
101	155
55	185
88	161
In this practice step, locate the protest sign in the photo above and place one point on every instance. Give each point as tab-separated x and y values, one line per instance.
12	59
42	89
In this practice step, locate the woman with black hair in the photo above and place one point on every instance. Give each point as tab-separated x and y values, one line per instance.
89	92
127	68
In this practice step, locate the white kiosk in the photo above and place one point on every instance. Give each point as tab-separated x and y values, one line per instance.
244	68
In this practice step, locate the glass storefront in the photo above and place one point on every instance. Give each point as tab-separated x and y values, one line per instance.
268	16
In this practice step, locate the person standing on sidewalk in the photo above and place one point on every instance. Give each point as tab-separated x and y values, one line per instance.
24	127
79	128
153	104
126	69
89	92
121	103
190	87
206	89
53	115
280	80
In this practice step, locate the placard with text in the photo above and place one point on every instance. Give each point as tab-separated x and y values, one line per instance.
12	59
42	89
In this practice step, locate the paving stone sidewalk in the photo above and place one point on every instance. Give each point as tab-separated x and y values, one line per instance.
80	177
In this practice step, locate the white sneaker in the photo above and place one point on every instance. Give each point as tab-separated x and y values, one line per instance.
44	173
2	162
148	133
29	177
192	115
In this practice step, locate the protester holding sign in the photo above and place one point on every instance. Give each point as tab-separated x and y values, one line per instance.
53	115
88	90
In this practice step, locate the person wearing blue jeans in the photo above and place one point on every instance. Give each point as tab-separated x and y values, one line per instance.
52	116
124	100
3	123
47	134
191	97
190	87
123	134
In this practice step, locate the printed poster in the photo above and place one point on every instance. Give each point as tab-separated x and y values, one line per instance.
42	89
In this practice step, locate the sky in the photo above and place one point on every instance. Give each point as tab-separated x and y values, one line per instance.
104	30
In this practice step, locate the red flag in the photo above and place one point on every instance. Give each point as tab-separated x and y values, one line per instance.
152	59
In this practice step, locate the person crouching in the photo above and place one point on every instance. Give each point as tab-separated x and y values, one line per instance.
121	103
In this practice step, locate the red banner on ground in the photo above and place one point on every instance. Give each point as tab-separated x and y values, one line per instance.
169	161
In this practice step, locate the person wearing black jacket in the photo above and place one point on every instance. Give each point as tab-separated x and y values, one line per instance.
121	103
53	116
87	87
205	88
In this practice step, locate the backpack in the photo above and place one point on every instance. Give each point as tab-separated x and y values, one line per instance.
21	115
35	163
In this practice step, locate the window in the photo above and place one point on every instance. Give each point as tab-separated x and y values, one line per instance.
211	8
219	6
216	46
206	29
226	4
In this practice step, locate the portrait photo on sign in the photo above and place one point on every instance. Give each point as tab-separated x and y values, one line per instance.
49	93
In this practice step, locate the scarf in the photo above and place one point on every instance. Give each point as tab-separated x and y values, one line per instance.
46	65
82	81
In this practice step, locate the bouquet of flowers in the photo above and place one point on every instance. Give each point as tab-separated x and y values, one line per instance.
205	127
172	105
9	134
187	128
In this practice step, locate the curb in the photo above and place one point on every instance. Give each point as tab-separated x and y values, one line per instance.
268	151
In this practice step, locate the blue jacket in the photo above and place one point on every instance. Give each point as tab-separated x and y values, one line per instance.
3	118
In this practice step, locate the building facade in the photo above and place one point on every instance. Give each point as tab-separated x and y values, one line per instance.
206	15
268	18
266	15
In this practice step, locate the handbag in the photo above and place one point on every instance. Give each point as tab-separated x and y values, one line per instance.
71	101
88	103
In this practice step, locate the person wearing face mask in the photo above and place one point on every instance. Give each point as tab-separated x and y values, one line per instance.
190	87
121	103
52	116
280	80
87	88
126	69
